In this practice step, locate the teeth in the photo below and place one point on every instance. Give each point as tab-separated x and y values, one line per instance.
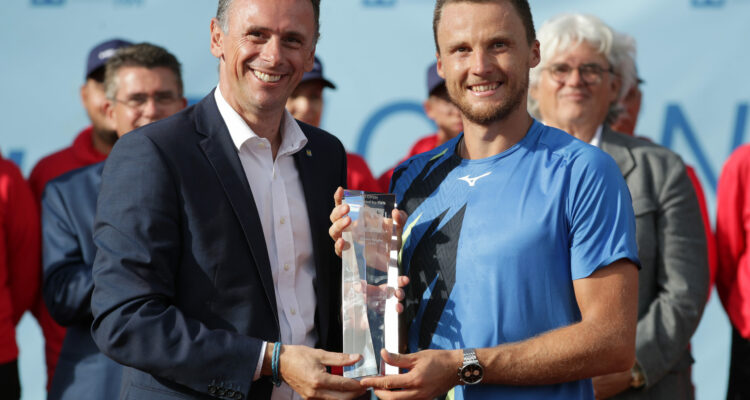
485	88
266	77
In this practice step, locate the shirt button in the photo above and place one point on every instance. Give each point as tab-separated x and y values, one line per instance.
293	311
286	267
282	220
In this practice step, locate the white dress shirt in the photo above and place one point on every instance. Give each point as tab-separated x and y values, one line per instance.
597	139
280	200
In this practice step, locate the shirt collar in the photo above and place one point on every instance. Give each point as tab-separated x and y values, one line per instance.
292	137
597	139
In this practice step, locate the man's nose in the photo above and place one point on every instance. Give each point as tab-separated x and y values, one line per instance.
481	62
150	108
575	78
271	52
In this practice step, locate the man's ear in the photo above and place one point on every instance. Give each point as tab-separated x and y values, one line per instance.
109	113
535	56
84	93
428	109
310	62
217	39
439	66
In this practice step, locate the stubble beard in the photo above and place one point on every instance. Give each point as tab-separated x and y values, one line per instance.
489	115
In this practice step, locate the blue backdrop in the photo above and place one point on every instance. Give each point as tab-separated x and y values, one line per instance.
692	54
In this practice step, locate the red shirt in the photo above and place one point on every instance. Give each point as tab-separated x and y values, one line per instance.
426	143
733	239
80	154
358	175
19	255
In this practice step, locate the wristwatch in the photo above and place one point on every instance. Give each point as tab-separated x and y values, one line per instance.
637	379
471	371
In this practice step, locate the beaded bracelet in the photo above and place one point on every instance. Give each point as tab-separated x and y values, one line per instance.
276	378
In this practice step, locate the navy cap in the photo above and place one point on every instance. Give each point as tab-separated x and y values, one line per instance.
99	55
317	74
434	81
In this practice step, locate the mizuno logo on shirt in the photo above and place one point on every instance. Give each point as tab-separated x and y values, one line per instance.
473	181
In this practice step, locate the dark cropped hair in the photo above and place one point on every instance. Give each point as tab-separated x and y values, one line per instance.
521	6
144	55
222	10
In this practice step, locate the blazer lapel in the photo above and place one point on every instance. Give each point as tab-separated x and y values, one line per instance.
305	160
218	147
618	151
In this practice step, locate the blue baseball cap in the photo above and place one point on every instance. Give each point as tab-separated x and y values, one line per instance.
434	81
317	74
99	55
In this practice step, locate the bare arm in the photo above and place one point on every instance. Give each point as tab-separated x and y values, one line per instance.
602	342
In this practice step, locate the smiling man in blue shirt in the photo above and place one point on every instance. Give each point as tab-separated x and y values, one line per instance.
520	240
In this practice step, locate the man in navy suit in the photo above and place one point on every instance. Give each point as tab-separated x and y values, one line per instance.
211	230
144	84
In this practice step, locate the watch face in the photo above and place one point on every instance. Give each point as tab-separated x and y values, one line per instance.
471	374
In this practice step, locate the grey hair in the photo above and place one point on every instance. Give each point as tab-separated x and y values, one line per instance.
223	9
144	55
625	53
221	14
565	31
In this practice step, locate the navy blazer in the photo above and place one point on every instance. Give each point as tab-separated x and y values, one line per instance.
183	290
68	208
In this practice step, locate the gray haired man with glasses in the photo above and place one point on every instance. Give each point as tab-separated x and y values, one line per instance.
143	84
578	88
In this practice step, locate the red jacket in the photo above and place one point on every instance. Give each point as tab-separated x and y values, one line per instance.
19	255
733	237
80	154
358	175
426	143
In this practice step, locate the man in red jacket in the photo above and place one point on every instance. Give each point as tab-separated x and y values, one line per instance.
90	146
19	268
733	275
442	111
306	105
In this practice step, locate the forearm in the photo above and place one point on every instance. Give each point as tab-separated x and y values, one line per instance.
574	352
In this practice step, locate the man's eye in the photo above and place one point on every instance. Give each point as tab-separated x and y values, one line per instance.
462	49
499	45
560	68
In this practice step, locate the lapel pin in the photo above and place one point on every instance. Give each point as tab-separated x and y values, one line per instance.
309	153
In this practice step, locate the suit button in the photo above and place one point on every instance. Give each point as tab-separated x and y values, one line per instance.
211	389
230	393
221	392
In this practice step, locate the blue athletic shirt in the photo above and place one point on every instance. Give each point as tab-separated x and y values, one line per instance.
492	246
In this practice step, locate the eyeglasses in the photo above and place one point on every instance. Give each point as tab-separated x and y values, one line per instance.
139	100
591	74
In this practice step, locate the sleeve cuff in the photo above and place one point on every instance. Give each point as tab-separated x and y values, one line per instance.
256	376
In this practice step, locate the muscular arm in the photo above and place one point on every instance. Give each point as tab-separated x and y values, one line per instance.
602	342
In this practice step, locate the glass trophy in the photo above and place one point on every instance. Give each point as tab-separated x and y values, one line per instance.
369	281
